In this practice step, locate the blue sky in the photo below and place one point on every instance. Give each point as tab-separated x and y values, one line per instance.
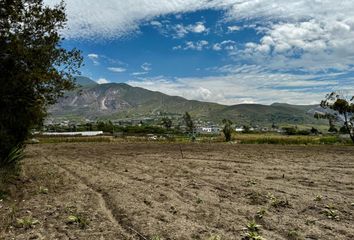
225	51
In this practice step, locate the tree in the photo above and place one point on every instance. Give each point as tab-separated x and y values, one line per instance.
35	69
246	129
341	106
331	120
189	122
166	122
227	130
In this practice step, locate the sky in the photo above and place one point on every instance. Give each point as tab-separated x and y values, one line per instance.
224	51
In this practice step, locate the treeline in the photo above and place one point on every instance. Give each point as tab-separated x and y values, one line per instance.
110	128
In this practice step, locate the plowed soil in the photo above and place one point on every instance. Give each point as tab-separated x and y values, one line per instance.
187	191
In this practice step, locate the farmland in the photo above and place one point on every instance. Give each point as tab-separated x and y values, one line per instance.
122	190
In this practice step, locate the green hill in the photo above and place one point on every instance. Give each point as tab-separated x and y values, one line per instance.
119	101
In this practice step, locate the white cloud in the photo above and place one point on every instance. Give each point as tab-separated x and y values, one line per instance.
116	18
190	45
323	28
180	30
102	81
94	58
198	28
177	47
225	45
117	69
138	73
234	28
244	84
146	67
156	24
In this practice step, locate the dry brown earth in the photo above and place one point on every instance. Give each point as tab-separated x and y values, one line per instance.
187	191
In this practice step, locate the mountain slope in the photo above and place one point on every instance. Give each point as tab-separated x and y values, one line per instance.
119	100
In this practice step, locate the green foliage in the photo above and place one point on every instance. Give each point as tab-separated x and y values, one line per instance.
294	235
26	222
314	131
279	139
252	231
253	226
331	213
189	122
79	220
166	122
343	107
215	237
13	158
343	130
318	198
260	214
35	69
156	237
290	130
227	130
246	129
252	236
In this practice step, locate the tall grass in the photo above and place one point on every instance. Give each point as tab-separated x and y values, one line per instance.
281	139
10	166
13	158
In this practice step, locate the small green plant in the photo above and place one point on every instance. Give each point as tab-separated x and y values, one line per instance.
26	222
79	220
252	236
276	203
260	213
199	201
253	226
294	235
215	237
309	222
43	190
331	214
252	231
156	237
250	183
318	198
3	195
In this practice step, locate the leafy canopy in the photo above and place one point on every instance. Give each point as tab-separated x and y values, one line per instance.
34	68
341	106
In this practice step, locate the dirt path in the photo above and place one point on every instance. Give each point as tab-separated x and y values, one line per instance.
141	191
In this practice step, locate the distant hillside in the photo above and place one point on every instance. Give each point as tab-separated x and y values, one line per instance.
85	82
119	100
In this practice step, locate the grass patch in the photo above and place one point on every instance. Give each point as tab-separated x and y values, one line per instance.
286	140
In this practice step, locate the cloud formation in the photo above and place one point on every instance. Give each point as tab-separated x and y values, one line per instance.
94	58
245	84
117	69
102	81
310	29
311	37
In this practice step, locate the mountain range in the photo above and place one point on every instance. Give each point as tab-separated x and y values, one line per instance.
122	101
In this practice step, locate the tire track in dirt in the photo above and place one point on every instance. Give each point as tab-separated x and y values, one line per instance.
117	218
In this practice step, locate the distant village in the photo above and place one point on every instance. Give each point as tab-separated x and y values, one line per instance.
89	127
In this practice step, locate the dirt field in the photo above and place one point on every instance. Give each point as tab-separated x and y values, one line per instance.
187	191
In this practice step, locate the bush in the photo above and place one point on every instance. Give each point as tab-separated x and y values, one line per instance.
290	130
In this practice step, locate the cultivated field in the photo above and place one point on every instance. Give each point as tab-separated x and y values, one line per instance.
181	191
